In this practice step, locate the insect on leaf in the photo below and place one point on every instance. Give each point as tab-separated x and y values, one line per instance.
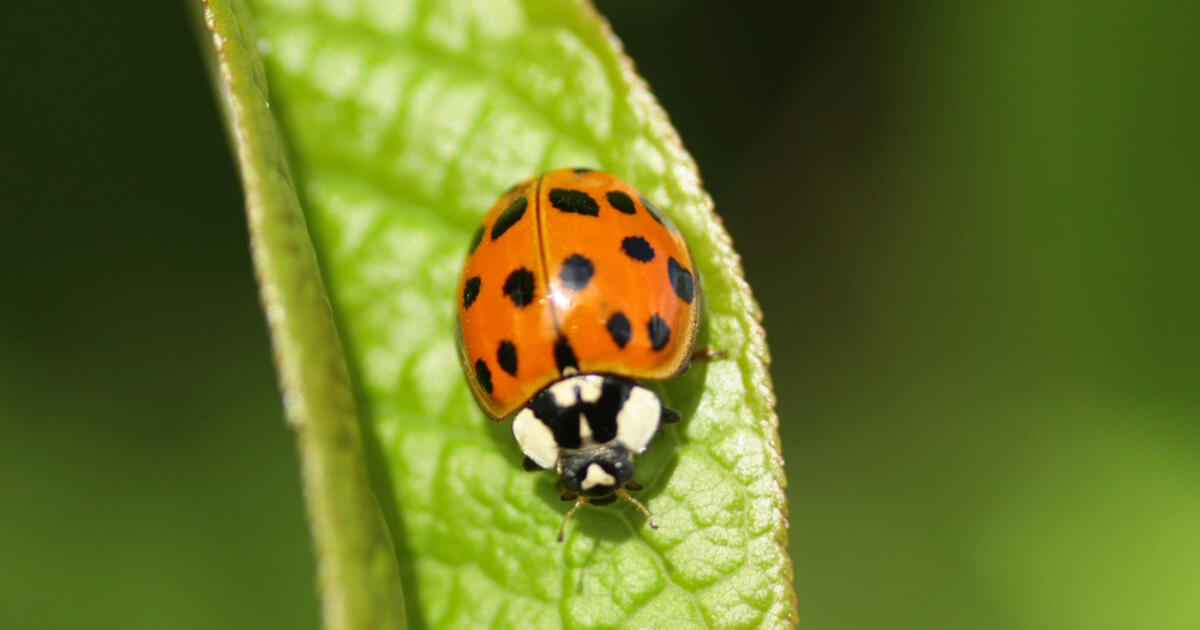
403	121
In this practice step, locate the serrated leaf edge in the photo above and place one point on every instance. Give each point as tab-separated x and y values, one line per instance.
758	355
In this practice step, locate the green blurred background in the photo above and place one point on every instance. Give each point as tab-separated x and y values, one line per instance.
974	229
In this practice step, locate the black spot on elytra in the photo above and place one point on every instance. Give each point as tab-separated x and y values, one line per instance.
564	355
519	287
576	201
483	375
576	272
660	333
681	281
582	169
476	240
470	291
506	356
618	326
511	215
621	202
652	209
637	248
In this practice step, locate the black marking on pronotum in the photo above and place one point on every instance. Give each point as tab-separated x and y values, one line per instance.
618	326
476	240
576	201
506	356
519	287
601	415
483	375
576	272
511	215
660	333
681	280
652	209
637	248
559	419
564	355
621	202
470	291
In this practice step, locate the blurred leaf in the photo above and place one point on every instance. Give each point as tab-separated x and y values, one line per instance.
405	120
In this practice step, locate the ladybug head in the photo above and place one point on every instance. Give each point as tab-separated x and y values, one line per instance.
596	473
599	476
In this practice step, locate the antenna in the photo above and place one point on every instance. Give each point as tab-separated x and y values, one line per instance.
574	508
637	504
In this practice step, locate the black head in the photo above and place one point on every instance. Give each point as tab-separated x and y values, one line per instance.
596	472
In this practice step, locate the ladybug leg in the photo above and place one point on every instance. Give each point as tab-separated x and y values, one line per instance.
569	496
669	416
705	354
708	354
529	464
633	485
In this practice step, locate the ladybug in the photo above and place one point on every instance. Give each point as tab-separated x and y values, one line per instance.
575	287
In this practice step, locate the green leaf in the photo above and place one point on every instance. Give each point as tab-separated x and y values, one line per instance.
404	121
359	582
